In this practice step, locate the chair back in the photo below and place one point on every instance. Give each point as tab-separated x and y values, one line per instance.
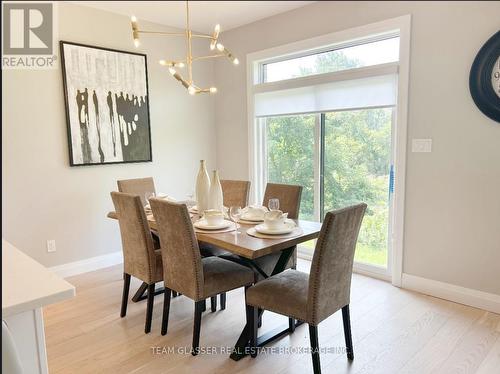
182	266
137	243
331	268
137	186
289	196
235	193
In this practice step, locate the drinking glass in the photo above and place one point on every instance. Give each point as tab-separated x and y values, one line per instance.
274	204
235	213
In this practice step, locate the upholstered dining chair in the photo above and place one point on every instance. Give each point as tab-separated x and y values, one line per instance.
235	193
140	259
289	196
137	186
185	271
314	297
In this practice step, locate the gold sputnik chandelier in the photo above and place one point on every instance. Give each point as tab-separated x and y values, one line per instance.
188	62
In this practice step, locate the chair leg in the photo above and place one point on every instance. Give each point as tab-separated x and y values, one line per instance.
291	324
174	294
149	308
203	306
126	288
259	324
252	316
213	303
223	301
198	310
166	311
346	318
313	336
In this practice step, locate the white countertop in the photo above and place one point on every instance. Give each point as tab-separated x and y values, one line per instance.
27	285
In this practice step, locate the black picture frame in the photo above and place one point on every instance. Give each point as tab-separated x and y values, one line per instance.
480	86
146	102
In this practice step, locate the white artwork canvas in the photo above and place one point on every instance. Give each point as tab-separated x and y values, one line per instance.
107	105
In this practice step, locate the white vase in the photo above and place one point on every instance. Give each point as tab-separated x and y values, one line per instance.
202	188
216	198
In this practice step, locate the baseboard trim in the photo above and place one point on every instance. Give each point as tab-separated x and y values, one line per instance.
447	291
358	268
89	264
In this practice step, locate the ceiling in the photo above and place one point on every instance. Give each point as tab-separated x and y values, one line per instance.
204	14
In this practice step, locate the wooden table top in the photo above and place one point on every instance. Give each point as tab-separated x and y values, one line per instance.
248	246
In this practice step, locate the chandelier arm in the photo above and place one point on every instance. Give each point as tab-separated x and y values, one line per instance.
207	57
162	33
202	36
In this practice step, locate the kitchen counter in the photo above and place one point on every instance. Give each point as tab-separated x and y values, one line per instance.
27	286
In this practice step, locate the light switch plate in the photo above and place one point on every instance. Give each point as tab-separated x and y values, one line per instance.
421	145
51	246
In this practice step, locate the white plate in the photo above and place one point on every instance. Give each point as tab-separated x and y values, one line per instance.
246	222
245	217
202	224
286	229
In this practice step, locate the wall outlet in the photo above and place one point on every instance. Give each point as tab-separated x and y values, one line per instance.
421	145
51	246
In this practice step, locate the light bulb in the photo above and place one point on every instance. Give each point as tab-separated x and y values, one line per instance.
212	44
137	43
217	28
191	90
163	62
180	64
133	19
213	89
236	61
220	47
172	70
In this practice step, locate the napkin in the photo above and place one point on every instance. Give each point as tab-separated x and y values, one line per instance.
161	196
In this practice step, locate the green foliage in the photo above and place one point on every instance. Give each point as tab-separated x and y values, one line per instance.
290	159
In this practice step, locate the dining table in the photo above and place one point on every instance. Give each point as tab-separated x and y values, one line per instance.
249	248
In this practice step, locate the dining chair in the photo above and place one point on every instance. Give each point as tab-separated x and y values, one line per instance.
289	196
235	193
140	259
137	186
185	271
314	297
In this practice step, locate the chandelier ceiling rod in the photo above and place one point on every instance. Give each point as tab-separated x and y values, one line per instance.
189	35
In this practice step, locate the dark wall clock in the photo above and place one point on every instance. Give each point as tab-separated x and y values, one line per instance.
484	79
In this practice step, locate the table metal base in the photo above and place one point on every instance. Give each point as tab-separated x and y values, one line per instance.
240	349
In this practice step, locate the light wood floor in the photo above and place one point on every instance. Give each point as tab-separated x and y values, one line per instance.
394	331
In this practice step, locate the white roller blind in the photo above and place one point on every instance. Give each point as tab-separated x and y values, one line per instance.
374	91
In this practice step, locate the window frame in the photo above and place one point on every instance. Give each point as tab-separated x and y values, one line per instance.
399	26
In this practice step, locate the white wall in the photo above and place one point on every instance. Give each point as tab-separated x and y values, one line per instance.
452	231
43	198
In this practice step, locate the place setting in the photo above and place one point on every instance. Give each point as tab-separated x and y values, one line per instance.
214	222
276	224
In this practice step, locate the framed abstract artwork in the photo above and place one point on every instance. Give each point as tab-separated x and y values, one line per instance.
107	105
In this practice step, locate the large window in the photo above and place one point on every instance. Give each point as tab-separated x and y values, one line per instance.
324	113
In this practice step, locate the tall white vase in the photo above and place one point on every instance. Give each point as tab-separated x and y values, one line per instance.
216	198
202	188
